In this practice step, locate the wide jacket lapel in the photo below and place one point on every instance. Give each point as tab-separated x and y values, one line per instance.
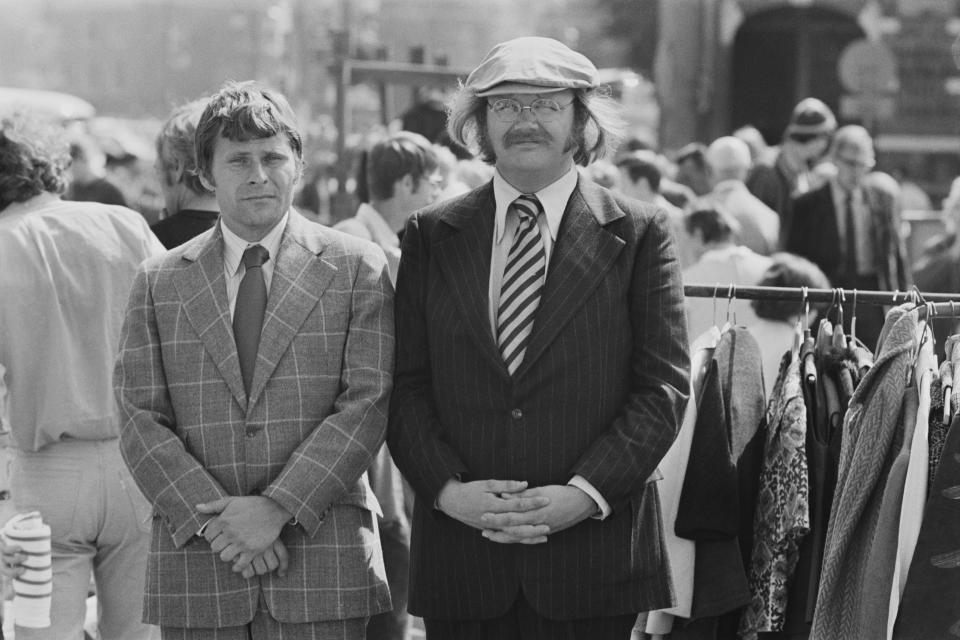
464	260
583	253
203	291
300	277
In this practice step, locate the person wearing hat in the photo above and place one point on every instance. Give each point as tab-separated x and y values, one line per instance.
541	369
789	172
850	228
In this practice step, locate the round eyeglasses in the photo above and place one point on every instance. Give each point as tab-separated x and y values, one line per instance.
543	109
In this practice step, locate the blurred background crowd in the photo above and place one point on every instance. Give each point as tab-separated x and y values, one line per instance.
766	129
687	72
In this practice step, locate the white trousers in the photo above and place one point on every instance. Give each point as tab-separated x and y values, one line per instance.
100	523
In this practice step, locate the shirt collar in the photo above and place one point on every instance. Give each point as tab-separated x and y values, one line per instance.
234	245
730	184
553	198
32	203
840	195
380	231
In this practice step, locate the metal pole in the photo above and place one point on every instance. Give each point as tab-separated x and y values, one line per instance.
816	295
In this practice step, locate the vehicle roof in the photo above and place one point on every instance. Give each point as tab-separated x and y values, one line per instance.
54	104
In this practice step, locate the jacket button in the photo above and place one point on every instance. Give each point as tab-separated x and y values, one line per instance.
516	414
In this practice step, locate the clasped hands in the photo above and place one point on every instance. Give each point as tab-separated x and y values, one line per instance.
246	532
509	512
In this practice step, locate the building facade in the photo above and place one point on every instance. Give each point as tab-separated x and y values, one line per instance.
888	65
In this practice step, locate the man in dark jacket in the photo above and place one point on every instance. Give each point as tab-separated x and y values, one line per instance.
542	369
850	227
790	172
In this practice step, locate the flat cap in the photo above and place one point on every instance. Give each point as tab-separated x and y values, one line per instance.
811	117
531	65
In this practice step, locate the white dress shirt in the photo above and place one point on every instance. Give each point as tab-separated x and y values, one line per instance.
233	248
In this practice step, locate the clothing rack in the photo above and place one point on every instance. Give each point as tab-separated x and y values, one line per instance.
936	304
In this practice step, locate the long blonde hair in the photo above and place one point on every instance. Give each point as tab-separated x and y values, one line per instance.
598	124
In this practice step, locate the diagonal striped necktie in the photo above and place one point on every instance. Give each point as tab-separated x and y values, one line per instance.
523	280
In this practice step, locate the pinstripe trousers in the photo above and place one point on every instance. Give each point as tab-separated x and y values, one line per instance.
522	622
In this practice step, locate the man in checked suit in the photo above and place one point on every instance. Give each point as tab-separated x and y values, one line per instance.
541	370
252	442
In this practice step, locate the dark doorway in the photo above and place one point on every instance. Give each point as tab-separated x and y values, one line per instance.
782	56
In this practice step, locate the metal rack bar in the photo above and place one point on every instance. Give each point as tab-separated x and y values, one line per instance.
819	295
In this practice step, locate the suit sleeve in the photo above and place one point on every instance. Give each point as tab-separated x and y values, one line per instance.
170	478
415	435
621	460
762	182
902	277
338	451
795	237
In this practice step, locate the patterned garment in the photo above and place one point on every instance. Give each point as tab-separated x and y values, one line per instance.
782	517
869	446
938	429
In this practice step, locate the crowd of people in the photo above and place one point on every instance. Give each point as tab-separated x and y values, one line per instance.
452	404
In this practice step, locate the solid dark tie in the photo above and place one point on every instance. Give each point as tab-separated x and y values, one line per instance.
851	240
523	280
248	312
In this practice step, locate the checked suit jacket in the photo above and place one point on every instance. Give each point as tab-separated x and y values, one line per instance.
600	393
316	414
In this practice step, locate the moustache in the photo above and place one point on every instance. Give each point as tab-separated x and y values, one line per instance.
520	137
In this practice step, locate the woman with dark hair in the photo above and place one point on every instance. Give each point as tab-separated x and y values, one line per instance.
777	319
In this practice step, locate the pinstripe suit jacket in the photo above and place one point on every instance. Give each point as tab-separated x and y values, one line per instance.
599	393
316	414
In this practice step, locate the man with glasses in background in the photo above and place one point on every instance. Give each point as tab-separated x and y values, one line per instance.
541	370
850	227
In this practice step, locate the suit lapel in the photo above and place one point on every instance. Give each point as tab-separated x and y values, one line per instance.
464	261
299	279
583	253
203	292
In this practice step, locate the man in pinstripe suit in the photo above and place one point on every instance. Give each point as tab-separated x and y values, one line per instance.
252	443
541	371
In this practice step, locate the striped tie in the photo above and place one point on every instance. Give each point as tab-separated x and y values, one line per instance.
522	283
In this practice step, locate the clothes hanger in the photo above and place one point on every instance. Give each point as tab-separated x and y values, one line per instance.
716	287
731	299
802	328
839	337
825	330
852	338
